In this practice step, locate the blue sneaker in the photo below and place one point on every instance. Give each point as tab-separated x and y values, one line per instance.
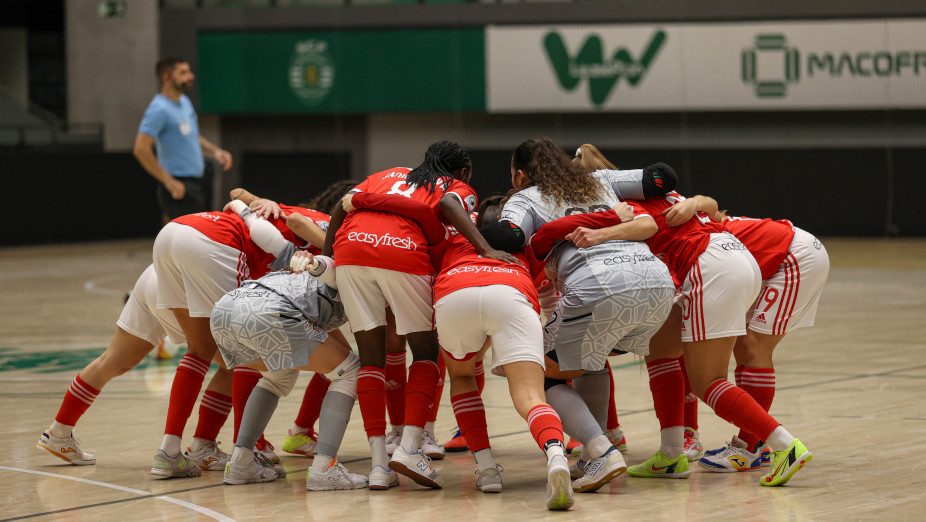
731	458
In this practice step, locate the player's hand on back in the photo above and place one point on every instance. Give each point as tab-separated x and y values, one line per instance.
624	212
266	208
347	203
586	237
679	213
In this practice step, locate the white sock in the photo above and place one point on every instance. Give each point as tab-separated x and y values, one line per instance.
411	439
321	462
60	431
241	456
198	444
399	428
297	430
597	446
554	450
484	459
780	439
586	454
616	434
170	444
378	452
429	427
672	441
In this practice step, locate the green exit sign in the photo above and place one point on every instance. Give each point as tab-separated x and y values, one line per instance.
112	8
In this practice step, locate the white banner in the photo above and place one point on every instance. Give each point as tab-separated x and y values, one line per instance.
786	65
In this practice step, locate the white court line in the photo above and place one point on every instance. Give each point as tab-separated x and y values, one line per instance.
92	285
189	505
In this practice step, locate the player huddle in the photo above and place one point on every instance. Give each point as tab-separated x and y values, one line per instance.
616	259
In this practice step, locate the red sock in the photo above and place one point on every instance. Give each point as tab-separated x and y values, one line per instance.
213	412
471	416
480	377
545	425
691	400
760	384
613	423
77	400
667	383
371	394
396	377
732	404
738	375
438	388
419	393
183	393
311	406
243	382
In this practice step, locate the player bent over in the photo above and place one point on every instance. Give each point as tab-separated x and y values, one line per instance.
139	329
279	324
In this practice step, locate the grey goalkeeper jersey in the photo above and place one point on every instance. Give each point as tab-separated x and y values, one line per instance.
606	269
318	302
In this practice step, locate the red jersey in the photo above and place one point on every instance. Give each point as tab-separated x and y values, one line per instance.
768	241
226	228
679	247
389	241
464	268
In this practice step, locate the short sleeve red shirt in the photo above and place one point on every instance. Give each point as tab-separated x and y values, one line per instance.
389	241
768	241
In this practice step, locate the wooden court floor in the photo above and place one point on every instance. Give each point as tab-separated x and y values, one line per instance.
853	388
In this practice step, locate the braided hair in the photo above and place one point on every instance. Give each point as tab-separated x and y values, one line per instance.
440	160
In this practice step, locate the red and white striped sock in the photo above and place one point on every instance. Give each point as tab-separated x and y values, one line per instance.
183	393
480	377
311	406
77	400
214	408
371	394
667	383
244	380
423	377
471	417
732	404
545	425
438	387
396	377
759	383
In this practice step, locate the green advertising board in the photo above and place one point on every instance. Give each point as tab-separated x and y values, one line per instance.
342	71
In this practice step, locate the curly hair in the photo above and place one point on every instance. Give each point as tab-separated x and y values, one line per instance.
440	160
552	171
589	159
331	196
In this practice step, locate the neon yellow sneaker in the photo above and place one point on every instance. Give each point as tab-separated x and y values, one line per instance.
301	443
786	463
660	466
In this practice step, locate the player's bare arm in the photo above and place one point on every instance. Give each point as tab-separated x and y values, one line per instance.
679	213
306	229
144	153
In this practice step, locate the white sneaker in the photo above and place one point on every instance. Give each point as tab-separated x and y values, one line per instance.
256	470
490	479
577	470
694	450
559	486
335	477
393	439
66	448
600	471
166	466
430	447
416	466
382	478
267	463
731	458
264	447
209	458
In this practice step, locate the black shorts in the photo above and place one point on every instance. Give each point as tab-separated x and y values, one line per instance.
194	200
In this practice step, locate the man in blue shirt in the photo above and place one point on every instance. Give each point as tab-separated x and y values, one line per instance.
170	124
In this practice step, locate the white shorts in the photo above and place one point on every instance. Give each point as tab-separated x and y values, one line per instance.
788	300
719	288
194	272
466	317
142	318
365	291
